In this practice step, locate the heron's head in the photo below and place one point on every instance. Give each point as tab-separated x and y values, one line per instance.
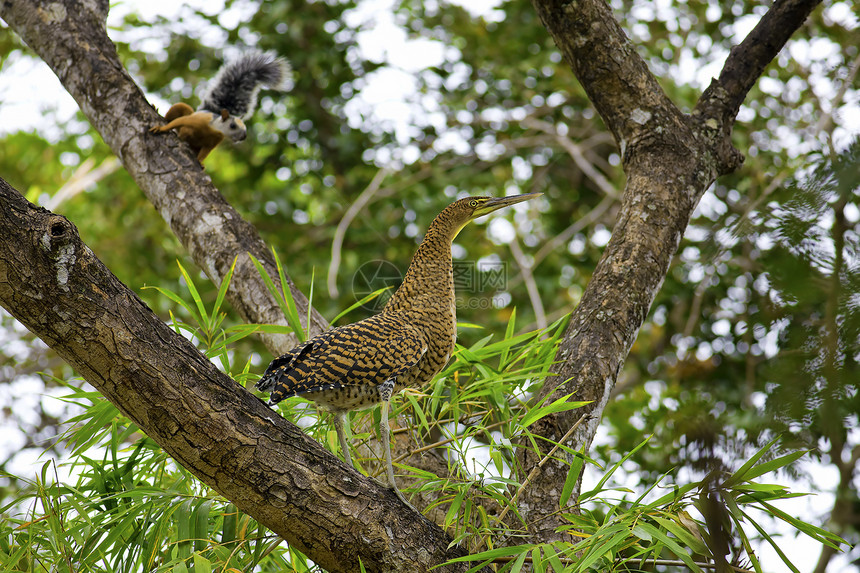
459	213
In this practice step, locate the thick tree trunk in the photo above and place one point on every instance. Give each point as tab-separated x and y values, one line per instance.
72	40
670	160
53	284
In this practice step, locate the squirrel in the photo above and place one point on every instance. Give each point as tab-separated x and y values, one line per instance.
230	97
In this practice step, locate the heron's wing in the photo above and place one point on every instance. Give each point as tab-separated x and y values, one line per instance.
363	354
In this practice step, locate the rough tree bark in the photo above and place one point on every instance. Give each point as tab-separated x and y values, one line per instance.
670	159
224	435
70	37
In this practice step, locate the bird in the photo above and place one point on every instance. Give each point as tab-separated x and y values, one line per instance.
360	365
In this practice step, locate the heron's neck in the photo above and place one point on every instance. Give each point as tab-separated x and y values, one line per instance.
430	277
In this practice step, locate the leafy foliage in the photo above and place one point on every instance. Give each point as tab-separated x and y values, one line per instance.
136	510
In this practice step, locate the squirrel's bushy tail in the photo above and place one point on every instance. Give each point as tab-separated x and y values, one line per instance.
235	86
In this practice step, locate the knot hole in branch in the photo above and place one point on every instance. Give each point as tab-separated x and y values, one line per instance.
58	232
59	227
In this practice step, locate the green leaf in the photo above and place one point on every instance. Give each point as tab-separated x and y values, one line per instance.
310	305
222	289
509	333
201	564
552	557
599	487
571	480
178	300
517	565
288	297
231	521
183	528
774	465
416	409
204	318
671	545
364	300
683	534
489	555
815	532
283	297
676	495
537	560
641	533
741	473
200	525
539	411
607	539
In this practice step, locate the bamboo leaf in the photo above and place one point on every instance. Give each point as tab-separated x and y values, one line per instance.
364	300
284	298
178	300
671	545
200	525
518	564
204	318
310	305
773	465
509	333
225	285
599	487
291	303
552	557
571	480
183	529
740	475
537	560
201	564
231	520
540	410
491	554
681	532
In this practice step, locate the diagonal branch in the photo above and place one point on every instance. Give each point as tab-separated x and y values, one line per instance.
747	60
717	108
340	233
616	79
228	438
166	171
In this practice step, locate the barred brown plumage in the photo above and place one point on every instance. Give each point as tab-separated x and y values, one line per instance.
362	364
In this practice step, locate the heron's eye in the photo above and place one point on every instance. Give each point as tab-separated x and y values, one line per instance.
473	203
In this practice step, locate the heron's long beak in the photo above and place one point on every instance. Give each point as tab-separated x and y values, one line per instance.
500	202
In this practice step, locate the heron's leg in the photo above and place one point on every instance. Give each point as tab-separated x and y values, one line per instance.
384	435
341	419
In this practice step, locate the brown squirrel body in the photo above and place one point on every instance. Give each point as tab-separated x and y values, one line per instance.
203	131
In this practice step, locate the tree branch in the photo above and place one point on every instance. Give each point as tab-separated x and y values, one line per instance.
340	233
605	62
670	160
747	60
720	102
165	169
225	436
